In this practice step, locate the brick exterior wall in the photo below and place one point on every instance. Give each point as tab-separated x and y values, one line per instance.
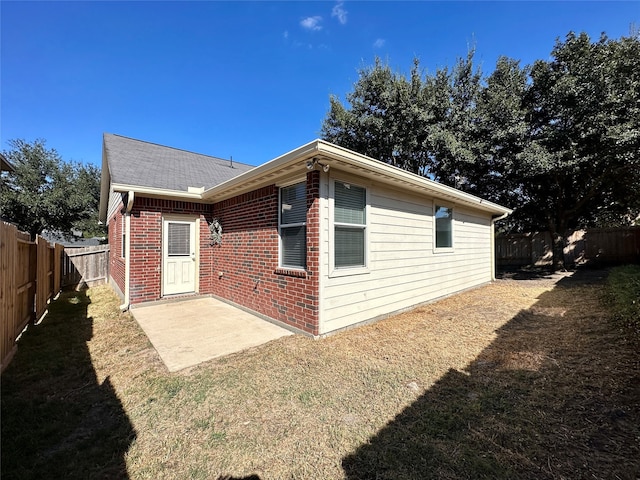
247	256
145	280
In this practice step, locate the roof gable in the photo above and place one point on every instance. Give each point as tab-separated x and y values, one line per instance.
143	164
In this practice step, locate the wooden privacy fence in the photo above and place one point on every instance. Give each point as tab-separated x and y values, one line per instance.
522	249
599	246
85	266
29	278
607	245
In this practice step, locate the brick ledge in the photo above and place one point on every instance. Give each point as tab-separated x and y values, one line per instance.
291	272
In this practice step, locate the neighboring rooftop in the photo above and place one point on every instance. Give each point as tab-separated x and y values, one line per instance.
5	165
137	163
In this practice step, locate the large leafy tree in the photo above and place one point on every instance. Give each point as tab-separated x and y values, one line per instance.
558	141
418	123
581	166
47	193
501	134
383	105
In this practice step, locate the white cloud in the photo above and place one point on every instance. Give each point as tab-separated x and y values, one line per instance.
379	43
339	11
286	34
312	23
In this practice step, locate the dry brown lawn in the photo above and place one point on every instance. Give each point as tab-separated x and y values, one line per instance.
517	379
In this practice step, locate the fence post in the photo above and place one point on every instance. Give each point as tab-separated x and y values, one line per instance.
57	270
8	294
42	283
33	279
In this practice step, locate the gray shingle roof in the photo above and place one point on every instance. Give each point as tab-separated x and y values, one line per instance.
137	163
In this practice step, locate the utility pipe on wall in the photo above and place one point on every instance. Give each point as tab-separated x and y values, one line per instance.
127	251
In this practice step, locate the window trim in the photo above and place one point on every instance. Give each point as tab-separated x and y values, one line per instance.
281	265
355	270
436	249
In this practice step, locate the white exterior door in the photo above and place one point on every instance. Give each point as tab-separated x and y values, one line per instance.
178	256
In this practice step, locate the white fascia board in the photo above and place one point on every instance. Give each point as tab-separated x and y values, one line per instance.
265	174
340	157
421	183
158	192
105	187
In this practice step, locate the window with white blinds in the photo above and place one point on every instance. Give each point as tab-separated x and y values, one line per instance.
178	239
350	224
293	226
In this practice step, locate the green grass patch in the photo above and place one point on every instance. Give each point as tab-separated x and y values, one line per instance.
623	291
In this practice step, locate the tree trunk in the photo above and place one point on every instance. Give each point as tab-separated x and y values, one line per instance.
558	231
557	241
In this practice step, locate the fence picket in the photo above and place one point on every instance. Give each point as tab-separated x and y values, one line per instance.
602	246
31	274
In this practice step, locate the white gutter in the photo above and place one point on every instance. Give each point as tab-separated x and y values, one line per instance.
262	173
345	158
127	252
433	188
193	193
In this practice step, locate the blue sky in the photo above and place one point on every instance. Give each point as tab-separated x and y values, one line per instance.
245	79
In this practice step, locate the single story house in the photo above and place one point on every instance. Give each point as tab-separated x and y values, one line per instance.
318	239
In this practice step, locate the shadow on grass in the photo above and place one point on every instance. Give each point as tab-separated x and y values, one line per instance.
556	395
57	420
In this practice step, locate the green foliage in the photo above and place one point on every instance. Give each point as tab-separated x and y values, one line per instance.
557	141
45	192
623	290
581	165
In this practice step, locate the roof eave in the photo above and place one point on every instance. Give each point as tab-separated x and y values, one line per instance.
364	164
162	193
345	159
265	174
105	186
5	164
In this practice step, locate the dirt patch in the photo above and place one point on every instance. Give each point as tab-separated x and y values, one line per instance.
518	379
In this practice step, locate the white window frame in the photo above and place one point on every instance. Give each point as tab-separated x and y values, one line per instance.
355	270
289	225
436	249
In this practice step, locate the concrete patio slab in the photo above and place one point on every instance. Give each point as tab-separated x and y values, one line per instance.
191	331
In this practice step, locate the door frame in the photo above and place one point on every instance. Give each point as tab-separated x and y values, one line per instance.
174	217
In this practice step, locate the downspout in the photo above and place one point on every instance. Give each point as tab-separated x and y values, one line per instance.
493	243
127	253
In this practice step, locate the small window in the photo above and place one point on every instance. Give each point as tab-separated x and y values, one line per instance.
178	239
444	221
350	224
293	226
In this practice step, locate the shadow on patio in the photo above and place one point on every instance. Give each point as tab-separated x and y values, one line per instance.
58	421
556	395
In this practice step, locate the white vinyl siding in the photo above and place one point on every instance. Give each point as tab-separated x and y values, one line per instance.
116	201
403	267
293	229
